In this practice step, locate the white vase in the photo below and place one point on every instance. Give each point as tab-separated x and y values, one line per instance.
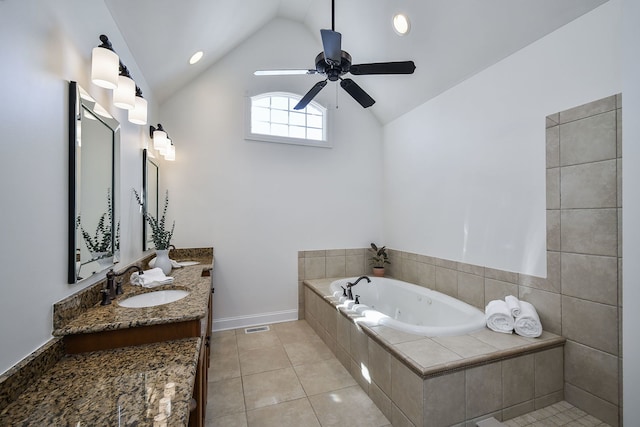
162	261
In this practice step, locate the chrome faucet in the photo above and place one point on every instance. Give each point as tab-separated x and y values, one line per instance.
114	288
351	285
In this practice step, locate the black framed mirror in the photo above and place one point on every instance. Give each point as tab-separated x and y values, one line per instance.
94	223
150	185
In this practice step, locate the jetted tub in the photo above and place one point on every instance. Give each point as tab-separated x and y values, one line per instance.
410	308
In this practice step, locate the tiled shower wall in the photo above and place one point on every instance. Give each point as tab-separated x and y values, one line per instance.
579	298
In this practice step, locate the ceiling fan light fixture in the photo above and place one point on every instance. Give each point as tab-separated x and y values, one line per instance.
196	57
401	24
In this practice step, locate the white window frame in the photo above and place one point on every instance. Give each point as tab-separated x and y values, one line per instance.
249	135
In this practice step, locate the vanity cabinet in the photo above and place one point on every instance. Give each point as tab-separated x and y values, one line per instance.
110	327
200	389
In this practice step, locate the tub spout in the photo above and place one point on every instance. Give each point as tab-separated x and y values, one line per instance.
351	285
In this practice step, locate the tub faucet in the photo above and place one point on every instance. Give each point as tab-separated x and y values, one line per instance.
112	289
351	285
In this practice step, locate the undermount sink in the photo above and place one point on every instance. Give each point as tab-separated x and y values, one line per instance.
152	299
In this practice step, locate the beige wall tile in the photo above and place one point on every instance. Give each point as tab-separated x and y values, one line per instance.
409	270
589	231
590	185
406	392
590	277
553	146
483	389
471	269
503	276
549	399
426	275
444	399
314	268
312	254
591	404
447	281
495	289
335	266
552	282
589	109
354	265
592	370
445	263
619	132
547	305
549	371
382	401
553	230
619	183
553	188
598	329
380	366
359	345
471	289
517	380
588	140
398	418
517	410
343	327
553	119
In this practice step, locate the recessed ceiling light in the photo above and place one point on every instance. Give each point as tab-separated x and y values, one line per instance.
196	57
401	24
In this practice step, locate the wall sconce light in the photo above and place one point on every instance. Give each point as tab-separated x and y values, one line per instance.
104	65
109	72
162	143
124	96
138	114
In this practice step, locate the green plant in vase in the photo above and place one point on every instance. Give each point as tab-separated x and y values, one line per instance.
378	259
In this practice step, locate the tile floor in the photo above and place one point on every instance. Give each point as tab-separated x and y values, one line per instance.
288	377
284	377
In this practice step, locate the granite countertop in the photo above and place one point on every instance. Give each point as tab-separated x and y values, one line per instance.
109	388
100	318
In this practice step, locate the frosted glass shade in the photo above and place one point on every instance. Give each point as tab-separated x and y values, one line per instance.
170	154
138	115
124	96
160	141
105	67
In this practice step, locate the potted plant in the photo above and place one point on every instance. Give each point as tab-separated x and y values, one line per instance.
378	259
160	236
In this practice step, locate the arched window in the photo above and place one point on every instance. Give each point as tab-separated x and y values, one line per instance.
273	119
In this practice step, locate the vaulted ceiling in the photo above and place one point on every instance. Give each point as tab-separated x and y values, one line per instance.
450	40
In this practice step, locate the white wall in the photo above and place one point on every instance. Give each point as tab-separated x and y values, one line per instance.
259	203
465	172
43	45
631	210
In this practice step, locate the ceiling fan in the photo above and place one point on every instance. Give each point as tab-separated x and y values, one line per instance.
333	62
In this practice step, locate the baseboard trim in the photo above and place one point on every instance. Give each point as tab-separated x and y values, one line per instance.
227	323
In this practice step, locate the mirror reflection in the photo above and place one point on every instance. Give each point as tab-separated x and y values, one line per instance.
150	179
94	226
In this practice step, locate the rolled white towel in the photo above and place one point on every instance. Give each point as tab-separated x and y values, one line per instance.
150	278
499	318
174	264
528	323
514	305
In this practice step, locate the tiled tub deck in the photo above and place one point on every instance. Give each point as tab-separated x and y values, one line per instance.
440	381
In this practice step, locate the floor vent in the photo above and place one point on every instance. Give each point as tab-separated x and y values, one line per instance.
256	329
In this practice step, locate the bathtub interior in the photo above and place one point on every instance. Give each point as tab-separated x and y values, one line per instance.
411	308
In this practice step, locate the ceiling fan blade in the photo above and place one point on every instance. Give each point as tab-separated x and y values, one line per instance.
332	44
357	93
282	72
400	67
310	95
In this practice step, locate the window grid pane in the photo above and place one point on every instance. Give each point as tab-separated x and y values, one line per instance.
274	115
